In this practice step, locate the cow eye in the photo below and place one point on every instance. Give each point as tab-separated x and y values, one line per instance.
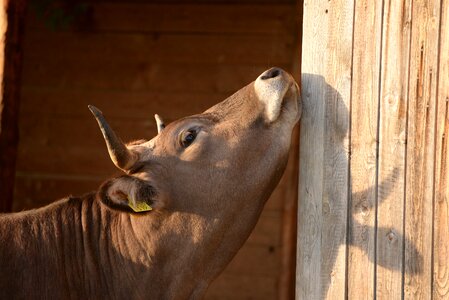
187	138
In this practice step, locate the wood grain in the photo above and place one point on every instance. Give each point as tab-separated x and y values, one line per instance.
324	141
441	192
336	149
398	231
310	221
420	150
364	137
392	139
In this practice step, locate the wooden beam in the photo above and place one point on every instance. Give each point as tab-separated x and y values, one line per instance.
12	24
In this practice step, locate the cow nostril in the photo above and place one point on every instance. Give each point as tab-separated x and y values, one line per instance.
272	73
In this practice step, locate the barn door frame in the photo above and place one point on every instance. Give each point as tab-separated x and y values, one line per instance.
12	18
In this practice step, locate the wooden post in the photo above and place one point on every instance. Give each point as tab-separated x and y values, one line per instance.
12	16
324	155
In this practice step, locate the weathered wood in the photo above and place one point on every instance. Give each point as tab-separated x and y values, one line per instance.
324	158
364	137
392	139
441	188
310	221
420	149
336	149
398	232
12	25
191	17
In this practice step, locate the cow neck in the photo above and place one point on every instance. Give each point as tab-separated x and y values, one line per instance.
165	243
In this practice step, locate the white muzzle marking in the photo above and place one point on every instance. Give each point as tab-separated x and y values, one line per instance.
271	87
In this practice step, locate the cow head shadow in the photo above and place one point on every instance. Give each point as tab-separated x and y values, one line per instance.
337	120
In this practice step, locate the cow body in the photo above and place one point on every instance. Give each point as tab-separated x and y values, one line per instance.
205	178
77	248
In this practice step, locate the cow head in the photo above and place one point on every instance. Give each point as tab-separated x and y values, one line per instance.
230	156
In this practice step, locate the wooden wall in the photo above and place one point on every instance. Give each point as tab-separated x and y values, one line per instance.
133	60
374	161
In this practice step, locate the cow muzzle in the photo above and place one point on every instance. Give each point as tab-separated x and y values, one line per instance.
273	87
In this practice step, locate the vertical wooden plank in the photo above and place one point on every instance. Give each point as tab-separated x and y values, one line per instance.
364	130
420	149
324	155
441	193
336	149
11	28
392	139
308	268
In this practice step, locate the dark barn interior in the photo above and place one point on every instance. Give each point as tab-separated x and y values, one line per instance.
135	59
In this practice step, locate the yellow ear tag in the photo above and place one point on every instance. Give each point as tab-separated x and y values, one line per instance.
139	206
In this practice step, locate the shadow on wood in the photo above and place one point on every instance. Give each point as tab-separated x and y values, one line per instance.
327	218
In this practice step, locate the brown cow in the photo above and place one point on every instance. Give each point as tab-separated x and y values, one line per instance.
165	229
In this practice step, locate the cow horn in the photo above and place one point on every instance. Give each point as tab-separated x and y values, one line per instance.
120	155
159	122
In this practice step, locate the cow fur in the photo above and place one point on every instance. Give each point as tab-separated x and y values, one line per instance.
206	200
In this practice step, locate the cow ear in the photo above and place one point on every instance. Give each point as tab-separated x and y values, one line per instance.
130	194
